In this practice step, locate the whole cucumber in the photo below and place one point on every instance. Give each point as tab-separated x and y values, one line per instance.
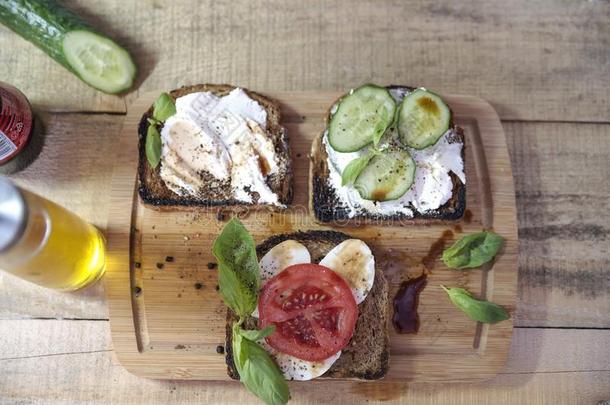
93	57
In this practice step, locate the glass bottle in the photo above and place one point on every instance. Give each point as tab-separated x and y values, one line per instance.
46	244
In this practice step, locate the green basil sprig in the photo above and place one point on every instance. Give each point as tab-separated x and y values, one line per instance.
153	146
238	277
163	108
256	335
477	310
257	370
473	250
353	169
239	281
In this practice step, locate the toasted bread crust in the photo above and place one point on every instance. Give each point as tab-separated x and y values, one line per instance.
367	355
153	191
325	205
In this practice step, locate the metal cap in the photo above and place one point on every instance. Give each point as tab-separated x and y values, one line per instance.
13	213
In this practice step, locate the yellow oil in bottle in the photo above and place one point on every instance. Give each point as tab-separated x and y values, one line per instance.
57	248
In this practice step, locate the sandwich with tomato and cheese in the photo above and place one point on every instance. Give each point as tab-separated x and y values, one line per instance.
313	302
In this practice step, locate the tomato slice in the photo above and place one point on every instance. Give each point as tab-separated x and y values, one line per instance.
313	309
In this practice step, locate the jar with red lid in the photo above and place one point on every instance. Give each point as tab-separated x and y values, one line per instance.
17	130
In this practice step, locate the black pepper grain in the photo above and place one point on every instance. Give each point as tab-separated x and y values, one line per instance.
220	349
198	286
169	259
137	265
160	266
137	291
212	265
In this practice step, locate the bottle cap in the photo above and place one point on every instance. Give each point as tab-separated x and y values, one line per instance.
13	214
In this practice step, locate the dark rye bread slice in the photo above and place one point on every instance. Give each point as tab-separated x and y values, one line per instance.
367	355
154	192
326	206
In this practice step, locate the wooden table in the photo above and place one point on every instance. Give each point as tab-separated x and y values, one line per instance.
544	65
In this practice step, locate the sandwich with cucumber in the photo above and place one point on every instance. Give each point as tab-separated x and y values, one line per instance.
213	145
388	153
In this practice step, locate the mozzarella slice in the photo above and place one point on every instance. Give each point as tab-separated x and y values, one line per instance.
278	258
296	369
353	260
281	256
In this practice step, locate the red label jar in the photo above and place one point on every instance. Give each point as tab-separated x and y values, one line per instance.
16	123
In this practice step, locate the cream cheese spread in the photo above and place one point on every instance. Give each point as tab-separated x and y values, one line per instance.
431	189
219	140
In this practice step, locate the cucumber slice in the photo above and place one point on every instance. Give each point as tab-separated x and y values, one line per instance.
99	61
73	43
361	118
423	117
387	176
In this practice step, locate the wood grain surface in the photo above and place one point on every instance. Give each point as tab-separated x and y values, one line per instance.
540	60
559	205
79	361
151	341
535	61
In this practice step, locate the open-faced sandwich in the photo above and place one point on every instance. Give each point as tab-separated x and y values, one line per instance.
212	145
301	306
388	153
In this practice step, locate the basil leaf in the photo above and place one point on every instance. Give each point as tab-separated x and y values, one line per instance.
236	340
380	131
473	250
238	276
153	146
477	310
164	107
353	169
255	335
257	370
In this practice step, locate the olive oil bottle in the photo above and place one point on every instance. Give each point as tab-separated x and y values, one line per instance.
46	244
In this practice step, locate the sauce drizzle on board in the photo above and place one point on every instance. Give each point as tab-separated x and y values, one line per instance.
394	261
436	249
406	319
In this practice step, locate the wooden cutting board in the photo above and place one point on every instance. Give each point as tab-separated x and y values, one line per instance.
167	318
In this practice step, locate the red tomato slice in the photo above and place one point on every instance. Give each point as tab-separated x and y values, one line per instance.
313	309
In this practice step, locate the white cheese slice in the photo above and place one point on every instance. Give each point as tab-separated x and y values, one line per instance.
294	368
281	256
353	260
278	258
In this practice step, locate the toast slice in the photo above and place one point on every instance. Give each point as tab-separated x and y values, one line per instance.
327	207
367	354
153	191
